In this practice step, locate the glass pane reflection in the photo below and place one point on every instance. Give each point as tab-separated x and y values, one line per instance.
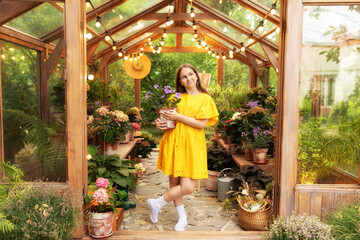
329	130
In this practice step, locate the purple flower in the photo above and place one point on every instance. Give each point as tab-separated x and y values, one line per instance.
147	94
253	104
243	134
167	91
177	95
255	131
167	88
156	86
162	96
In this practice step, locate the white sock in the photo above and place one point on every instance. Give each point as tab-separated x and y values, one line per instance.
181	211
160	202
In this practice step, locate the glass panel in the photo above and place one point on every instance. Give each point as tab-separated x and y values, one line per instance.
240	14
28	141
123	12
186	40
221	41
132	29
329	130
226	30
96	3
235	74
102	46
38	21
257	48
169	41
274	36
133	42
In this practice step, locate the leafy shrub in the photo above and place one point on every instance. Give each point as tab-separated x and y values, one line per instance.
345	222
40	213
298	227
218	159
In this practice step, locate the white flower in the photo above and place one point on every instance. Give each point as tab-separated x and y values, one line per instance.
245	192
103	111
235	116
121	116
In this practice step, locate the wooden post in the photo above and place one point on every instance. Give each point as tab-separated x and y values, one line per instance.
220	72
44	87
76	126
2	173
288	102
137	85
252	77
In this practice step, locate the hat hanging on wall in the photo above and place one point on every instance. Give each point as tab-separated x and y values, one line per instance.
138	69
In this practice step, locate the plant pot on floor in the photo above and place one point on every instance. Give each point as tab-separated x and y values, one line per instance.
211	183
101	224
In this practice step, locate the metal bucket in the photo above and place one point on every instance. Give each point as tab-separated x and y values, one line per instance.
224	183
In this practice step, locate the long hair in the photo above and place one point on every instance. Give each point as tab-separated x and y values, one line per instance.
180	88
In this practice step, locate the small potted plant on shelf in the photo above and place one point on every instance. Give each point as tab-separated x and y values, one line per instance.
260	146
163	99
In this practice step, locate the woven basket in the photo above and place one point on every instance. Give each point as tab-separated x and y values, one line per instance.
254	221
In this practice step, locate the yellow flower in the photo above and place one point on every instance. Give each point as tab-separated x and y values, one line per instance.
45	205
36	206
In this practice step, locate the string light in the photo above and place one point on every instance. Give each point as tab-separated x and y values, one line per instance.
192	13
126	57
162	41
88	35
195	34
171	6
90	77
223	56
98	23
242	47
114	46
120	54
168	22
165	33
194	24
273	9
261	26
251	40
107	37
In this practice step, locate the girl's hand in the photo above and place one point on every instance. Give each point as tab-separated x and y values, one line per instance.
161	125
171	114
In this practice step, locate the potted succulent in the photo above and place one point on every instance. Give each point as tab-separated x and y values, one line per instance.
162	100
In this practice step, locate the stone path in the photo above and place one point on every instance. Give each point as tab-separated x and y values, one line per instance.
204	211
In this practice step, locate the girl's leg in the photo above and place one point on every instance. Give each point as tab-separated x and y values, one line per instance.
174	181
187	186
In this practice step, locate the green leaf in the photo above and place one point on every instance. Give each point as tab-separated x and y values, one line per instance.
121	181
123	171
92	150
101	171
115	162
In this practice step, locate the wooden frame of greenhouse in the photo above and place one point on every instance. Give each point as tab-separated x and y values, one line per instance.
294	54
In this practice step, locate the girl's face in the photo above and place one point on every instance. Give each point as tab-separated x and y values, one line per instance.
188	78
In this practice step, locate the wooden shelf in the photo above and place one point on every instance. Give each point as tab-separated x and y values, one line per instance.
125	149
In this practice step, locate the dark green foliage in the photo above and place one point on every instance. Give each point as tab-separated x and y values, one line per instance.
218	159
345	222
40	213
58	99
144	147
254	176
119	172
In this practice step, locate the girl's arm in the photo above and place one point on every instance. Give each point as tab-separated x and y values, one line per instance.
196	123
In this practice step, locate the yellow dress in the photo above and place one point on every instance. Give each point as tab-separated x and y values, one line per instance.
183	149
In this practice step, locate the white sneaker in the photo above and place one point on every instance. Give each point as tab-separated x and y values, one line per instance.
181	224
154	212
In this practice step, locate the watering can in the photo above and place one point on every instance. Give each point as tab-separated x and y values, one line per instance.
224	183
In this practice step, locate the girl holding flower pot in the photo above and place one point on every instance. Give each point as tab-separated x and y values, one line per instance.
182	153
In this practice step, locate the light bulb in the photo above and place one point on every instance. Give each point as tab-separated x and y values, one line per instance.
217	56
251	40
114	47
277	29
213	54
140	54
193	39
154	51
203	43
273	9
98	24
206	47
91	77
261	28
231	52
120	54
126	57
88	157
160	47
88	4
150	43
209	51
88	35
220	1
231	56
3	56
192	13
107	37
152	47
162	42
164	34
131	59
224	57
158	51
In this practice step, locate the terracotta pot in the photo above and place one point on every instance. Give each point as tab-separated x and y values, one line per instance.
259	155
170	123
110	149
126	140
247	151
211	183
101	224
131	136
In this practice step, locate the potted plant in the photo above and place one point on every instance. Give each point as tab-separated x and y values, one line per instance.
260	146
101	206
162	100
217	159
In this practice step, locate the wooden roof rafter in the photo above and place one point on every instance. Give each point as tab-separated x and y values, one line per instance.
91	15
259	9
180	16
12	9
130	38
231	41
129	21
234	24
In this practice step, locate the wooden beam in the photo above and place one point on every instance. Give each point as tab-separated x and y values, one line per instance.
104	60
177	50
329	2
272	58
15	36
137	87
231	41
220	71
129	22
260	10
130	38
234	24
179	40
12	9
179	16
90	51
57	6
252	77
262	36
33	0
178	29
76	125
288	102
253	62
55	58
2	173
91	15
44	87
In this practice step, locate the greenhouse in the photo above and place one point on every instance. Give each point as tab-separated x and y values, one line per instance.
81	84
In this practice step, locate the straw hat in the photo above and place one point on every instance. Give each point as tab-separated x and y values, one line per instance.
138	69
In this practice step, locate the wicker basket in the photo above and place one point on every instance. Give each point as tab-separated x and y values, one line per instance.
254	221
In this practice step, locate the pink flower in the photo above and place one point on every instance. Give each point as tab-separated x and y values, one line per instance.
136	126
102	183
145	144
101	195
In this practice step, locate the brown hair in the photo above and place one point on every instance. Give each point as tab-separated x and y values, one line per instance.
180	88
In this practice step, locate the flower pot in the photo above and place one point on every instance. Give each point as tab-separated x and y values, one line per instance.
211	183
259	155
247	151
101	224
110	149
126	140
131	136
170	123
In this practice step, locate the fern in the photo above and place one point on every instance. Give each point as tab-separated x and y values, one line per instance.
5	225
